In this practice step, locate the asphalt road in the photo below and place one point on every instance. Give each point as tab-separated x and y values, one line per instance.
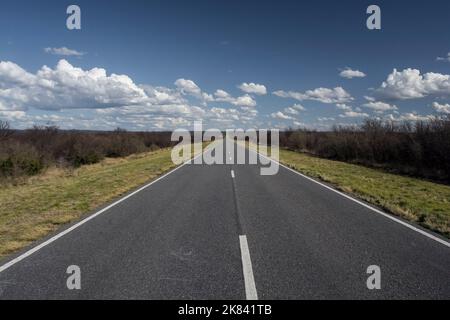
226	232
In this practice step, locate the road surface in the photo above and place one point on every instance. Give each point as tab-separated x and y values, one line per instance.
226	232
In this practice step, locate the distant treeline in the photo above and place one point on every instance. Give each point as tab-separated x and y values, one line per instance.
420	148
28	152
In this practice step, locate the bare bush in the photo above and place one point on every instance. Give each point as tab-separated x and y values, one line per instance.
5	130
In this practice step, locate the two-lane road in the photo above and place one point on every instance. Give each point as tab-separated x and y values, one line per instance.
226	232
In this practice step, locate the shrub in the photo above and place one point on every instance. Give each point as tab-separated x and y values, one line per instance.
85	150
6	166
20	159
122	144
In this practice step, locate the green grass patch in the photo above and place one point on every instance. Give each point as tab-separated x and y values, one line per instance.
423	202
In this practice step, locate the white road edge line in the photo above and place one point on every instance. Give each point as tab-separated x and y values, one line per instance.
249	280
232	174
422	232
63	233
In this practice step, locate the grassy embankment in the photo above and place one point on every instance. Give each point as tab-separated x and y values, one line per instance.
41	204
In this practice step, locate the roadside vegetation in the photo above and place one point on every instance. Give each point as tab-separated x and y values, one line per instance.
29	152
420	149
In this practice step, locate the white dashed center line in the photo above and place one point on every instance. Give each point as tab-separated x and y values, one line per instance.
249	280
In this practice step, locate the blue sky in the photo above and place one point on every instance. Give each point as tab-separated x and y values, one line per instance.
231	63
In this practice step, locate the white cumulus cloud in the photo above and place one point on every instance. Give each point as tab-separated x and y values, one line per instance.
441	108
280	115
243	101
447	58
290	110
66	87
188	87
294	110
343	106
410	116
325	95
379	106
64	51
253	88
348	73
353	114
298	107
411	84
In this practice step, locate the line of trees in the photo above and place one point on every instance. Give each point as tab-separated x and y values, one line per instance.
420	148
28	152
